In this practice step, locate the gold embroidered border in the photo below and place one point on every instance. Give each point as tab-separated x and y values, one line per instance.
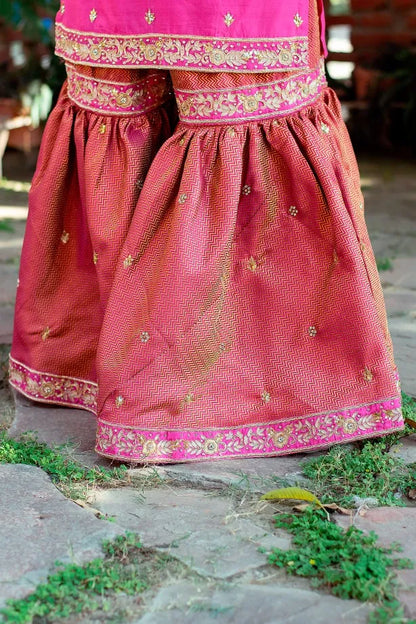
292	435
182	52
50	388
256	102
118	98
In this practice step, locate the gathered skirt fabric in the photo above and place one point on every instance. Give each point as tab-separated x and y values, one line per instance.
246	316
97	147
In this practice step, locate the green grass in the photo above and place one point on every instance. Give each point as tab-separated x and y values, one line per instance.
5	226
80	588
348	563
101	587
64	471
384	264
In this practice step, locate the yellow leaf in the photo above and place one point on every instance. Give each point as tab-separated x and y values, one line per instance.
292	493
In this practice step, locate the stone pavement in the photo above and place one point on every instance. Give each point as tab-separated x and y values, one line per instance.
191	510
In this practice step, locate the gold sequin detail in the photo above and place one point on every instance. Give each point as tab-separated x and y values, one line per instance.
45	333
93	15
127	262
275	122
65	237
228	19
335	257
123	100
189	398
95	257
325	128
265	397
367	374
102	128
182	198
252	264
246	189
222	347
182	141
312	331
144	336
298	20
210	446
139	183
293	211
361	206
150	17
119	400
231	132
362	247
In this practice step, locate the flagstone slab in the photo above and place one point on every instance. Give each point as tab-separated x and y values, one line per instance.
203	531
188	603
40	526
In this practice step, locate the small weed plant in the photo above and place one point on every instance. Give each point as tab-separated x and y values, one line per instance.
349	563
80	588
63	470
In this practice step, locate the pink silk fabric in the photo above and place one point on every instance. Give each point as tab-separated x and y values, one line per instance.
216	278
90	171
238	36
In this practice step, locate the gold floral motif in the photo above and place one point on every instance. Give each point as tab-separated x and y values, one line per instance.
168	51
150	17
367	374
139	183
250	102
149	447
102	128
45	333
298	20
47	389
210	446
325	128
123	100
312	331
189	398
182	141
293	211
127	262
64	237
182	198
252	264
93	15
231	132
265	396
349	425
246	189
285	57
144	336
228	19
280	438
95	257
119	401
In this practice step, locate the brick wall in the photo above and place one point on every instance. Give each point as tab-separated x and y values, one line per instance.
376	23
